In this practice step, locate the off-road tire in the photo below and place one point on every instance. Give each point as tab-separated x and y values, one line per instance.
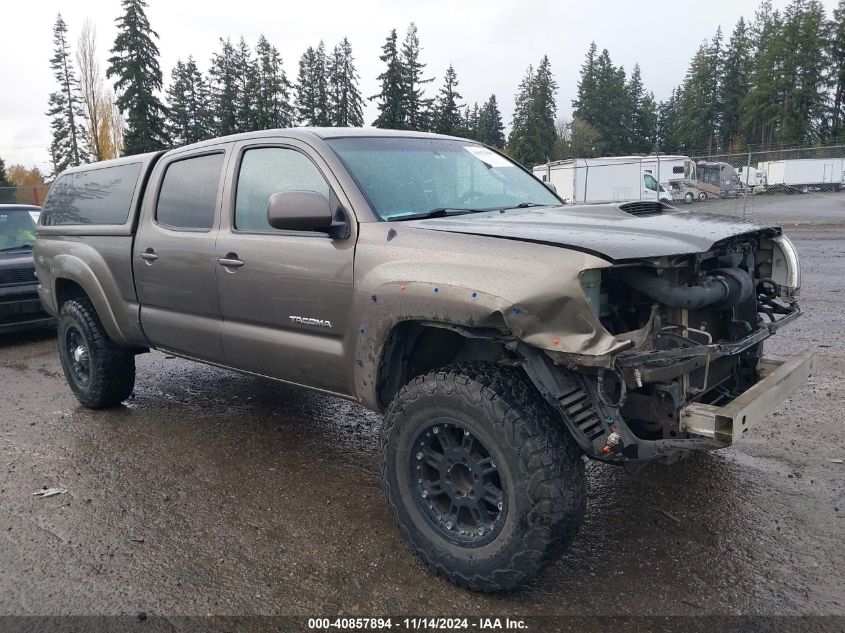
111	368
542	463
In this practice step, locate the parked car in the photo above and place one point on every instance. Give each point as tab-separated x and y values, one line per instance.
503	335
20	307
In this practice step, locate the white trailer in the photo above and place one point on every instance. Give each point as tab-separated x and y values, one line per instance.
804	174
616	178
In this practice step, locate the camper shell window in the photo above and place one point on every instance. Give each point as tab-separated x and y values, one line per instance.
92	196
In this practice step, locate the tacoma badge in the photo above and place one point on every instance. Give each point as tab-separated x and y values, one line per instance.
309	321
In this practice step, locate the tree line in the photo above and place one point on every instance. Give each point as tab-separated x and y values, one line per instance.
779	79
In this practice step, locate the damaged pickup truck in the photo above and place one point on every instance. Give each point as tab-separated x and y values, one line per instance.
503	334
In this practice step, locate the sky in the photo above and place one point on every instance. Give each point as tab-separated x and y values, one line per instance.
489	42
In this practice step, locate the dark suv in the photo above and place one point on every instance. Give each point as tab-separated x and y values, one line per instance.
20	306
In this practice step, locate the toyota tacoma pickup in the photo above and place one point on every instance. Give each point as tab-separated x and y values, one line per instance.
503	334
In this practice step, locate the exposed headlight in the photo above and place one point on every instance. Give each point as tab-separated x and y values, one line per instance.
786	269
591	284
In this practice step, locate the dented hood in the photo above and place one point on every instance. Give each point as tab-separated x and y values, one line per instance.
603	230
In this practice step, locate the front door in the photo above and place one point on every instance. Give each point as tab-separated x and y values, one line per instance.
173	256
650	188
284	295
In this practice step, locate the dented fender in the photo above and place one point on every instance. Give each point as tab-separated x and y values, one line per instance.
522	291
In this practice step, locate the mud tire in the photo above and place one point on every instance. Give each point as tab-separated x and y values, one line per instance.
110	374
546	493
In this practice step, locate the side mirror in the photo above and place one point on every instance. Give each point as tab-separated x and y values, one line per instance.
299	211
550	187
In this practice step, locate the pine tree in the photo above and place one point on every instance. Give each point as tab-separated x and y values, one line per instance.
134	64
760	106
734	87
524	142
189	111
803	72
667	122
224	89
633	124
446	107
698	107
491	131
246	85
312	88
272	88
604	101
69	144
837	58
417	107
545	105
392	100
586	106
345	103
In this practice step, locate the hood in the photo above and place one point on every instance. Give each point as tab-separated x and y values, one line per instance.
604	230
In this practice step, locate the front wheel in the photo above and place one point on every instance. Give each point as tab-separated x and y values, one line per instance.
100	373
483	481
688	197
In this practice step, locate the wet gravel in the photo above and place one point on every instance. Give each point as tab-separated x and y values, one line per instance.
217	493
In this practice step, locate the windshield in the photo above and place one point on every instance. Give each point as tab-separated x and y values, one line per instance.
415	176
17	230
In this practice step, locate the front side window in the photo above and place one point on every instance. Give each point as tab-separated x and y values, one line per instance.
188	196
268	170
93	196
17	229
405	176
650	182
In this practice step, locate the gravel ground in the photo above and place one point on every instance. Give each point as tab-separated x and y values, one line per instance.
216	493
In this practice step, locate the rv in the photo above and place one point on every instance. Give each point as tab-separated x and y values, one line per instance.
616	178
804	174
716	180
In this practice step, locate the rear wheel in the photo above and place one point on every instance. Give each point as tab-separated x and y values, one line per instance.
702	196
482	480
100	373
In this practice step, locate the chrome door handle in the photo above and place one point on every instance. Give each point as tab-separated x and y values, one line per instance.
230	262
149	255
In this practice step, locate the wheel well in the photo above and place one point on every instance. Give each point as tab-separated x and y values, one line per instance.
413	348
67	290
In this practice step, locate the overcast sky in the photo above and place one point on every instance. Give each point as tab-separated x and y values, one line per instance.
490	43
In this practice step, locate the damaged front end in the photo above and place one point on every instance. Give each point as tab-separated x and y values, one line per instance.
692	375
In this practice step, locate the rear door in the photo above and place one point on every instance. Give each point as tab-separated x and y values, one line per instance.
173	255
284	295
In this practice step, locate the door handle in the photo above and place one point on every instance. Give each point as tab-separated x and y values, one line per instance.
230	261
149	255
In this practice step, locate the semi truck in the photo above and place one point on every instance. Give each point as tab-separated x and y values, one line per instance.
616	178
804	174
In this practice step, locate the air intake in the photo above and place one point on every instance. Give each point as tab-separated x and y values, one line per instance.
644	208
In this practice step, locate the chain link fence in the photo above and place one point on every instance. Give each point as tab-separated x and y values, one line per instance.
795	185
801	185
24	195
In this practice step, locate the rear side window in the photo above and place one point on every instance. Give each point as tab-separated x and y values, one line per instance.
268	170
94	196
188	196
